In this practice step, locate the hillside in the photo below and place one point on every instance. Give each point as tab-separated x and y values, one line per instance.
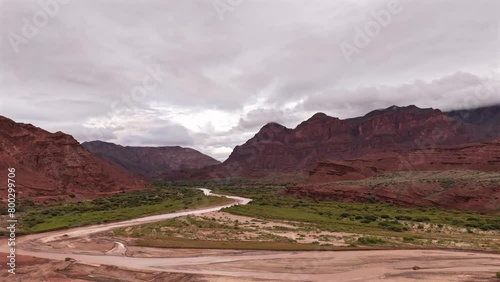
277	149
149	161
464	177
53	166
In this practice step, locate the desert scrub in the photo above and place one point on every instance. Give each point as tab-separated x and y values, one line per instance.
162	199
370	240
271	202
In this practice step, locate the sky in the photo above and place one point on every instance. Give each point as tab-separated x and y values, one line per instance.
208	74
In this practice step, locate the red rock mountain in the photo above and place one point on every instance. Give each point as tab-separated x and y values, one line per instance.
277	149
471	156
149	161
486	117
52	166
462	177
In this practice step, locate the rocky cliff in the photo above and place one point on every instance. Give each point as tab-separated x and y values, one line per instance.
277	149
53	166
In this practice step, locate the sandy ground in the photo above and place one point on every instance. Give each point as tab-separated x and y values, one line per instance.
104	260
259	227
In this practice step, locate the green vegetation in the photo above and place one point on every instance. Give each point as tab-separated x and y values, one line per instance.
271	203
281	222
370	240
161	199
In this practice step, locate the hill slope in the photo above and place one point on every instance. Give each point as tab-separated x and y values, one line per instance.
149	161
465	177
52	166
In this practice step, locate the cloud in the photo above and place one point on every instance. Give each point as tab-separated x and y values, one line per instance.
223	79
456	91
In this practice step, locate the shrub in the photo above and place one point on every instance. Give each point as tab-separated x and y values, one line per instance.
408	238
370	240
422	219
370	217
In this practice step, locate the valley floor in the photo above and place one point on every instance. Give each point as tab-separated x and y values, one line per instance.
246	249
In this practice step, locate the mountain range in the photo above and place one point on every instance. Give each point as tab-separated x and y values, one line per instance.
278	149
323	149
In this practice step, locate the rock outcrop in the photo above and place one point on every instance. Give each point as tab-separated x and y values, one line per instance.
464	177
54	166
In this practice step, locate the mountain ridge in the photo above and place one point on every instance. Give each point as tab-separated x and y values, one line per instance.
278	149
149	161
53	166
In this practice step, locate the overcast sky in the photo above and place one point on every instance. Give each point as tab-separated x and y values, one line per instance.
208	74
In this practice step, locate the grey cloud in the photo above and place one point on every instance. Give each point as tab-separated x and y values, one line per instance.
456	91
169	135
283	55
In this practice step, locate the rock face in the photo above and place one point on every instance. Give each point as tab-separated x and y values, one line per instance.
459	195
446	177
53	166
150	161
277	149
473	156
487	117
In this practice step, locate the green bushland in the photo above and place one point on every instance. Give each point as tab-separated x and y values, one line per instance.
160	199
272	203
370	240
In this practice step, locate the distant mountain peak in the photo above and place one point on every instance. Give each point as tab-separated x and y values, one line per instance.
149	161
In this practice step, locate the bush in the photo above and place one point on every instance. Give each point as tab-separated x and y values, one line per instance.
408	238
370	240
498	275
370	217
422	219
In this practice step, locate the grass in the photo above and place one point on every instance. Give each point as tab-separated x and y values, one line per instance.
365	225
161	199
272	203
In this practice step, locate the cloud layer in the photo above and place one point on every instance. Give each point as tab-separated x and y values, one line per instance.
194	74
